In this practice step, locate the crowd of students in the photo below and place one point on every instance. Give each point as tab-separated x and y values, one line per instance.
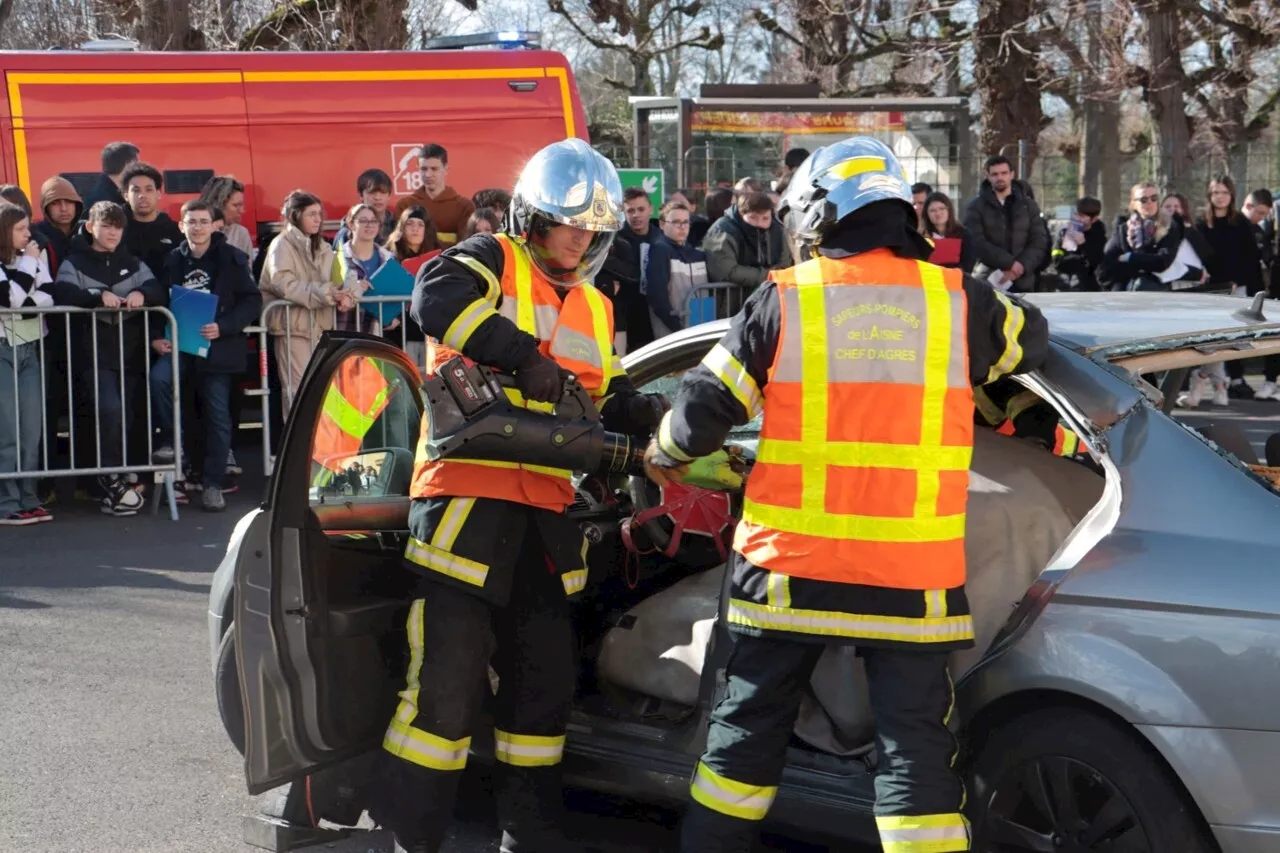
117	249
111	375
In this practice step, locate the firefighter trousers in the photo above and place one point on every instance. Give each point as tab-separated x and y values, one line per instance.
453	638
918	796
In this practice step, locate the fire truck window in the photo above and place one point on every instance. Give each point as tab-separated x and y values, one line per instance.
186	181
363	443
82	181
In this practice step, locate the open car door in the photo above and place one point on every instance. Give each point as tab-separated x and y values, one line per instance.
317	609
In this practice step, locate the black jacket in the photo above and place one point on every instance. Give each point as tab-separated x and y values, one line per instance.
82	279
493	532
151	242
239	301
1001	237
743	254
1235	252
56	244
1078	268
104	190
1122	262
631	311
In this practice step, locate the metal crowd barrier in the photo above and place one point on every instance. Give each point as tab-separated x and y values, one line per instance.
715	301
64	366
277	360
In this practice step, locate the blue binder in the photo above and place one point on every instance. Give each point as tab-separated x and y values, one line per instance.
192	309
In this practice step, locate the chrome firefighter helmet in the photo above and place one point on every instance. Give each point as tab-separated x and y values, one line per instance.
567	183
836	181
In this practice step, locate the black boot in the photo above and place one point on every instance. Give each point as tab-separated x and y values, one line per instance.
705	831
530	809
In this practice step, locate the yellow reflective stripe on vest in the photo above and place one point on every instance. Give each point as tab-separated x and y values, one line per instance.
600	330
425	749
814	396
574	581
438	560
1014	320
455	515
349	419
937	357
493	287
524	288
736	799
527	750
937	833
466	323
868	528
833	623
865	454
735	377
935	603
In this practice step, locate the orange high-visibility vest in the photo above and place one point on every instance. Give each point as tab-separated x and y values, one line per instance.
356	396
862	470
577	334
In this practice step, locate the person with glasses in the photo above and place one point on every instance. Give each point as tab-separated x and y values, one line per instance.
361	255
207	263
1143	244
674	271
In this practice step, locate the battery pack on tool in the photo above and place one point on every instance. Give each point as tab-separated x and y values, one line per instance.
470	417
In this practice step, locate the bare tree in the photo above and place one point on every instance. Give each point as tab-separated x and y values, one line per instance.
1008	76
641	31
869	47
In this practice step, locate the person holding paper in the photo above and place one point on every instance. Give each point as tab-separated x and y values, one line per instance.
205	263
939	224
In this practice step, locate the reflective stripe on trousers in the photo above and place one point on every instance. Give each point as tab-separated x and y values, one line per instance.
735	799
934	833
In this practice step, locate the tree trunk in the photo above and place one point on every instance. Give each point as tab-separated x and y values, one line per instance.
1006	78
1165	96
166	25
1091	107
1113	195
373	24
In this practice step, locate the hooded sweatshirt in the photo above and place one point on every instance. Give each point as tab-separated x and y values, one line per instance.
56	244
93	272
743	254
449	211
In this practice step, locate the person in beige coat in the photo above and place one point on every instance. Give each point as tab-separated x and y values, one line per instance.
300	267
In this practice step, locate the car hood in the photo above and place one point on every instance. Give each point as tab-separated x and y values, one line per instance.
1150	331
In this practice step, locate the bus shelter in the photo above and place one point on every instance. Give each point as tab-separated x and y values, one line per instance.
731	132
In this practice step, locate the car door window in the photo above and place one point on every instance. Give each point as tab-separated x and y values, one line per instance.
364	439
669	386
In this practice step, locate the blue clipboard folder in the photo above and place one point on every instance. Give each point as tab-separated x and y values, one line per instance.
192	309
391	279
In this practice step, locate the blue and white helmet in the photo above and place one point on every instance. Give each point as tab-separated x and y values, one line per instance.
836	181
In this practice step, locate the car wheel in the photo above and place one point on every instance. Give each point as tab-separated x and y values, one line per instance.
226	680
1069	781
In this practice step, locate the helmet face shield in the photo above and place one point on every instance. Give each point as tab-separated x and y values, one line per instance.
547	233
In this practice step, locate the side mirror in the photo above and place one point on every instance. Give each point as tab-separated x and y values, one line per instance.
362	475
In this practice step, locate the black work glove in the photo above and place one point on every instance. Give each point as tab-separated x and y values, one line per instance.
539	379
646	410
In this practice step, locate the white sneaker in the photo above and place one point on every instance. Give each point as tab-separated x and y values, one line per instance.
233	467
1220	397
1267	391
1199	387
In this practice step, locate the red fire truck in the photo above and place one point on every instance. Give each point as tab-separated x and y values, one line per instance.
283	121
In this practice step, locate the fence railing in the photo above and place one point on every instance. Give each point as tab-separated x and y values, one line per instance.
76	363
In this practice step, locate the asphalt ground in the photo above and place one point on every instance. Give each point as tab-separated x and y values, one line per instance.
110	740
109	733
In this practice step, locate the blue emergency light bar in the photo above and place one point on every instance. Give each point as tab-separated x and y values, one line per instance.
504	40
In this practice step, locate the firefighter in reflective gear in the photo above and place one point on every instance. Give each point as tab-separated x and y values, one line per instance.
1012	409
355	397
861	358
496	555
